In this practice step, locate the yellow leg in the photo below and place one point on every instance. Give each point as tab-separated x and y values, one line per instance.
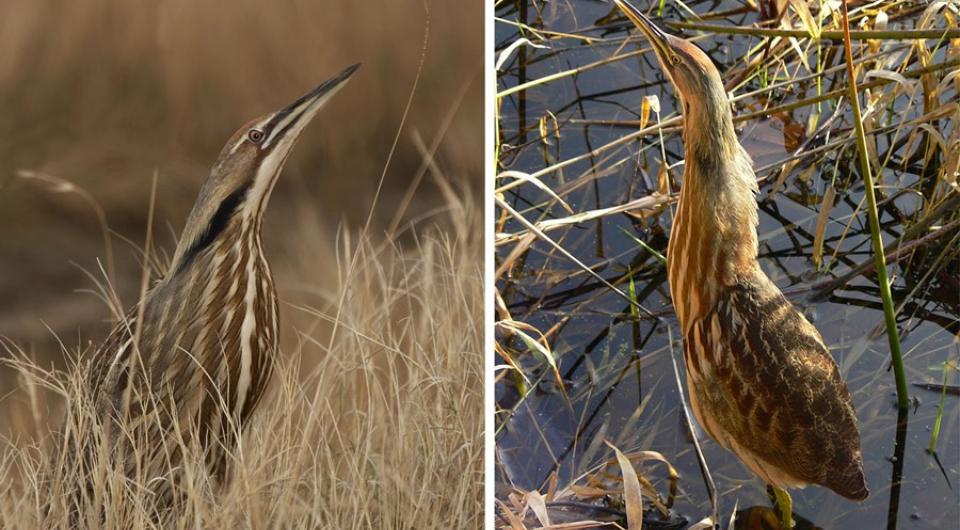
785	504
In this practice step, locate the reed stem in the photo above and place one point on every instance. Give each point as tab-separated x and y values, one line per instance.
831	35
889	312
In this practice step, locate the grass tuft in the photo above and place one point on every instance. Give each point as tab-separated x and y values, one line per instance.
376	426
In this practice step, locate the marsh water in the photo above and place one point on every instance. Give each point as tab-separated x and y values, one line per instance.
617	364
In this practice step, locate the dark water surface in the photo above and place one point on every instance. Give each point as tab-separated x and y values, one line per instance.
618	369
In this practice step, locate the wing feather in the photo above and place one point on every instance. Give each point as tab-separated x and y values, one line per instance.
780	397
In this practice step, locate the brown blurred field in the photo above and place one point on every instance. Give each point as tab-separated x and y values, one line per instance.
105	93
379	426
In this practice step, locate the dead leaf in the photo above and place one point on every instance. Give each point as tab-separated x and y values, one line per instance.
632	494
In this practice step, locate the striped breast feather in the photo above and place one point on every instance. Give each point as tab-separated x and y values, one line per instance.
792	406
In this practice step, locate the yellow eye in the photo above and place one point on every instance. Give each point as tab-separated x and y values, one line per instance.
674	59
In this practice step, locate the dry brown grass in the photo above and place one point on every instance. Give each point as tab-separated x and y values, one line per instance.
374	418
376	425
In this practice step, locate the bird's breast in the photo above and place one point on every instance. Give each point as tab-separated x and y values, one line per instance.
695	269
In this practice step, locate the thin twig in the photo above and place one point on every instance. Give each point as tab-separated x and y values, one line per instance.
544	237
701	460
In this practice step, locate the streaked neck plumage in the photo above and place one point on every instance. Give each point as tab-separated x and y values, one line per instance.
713	242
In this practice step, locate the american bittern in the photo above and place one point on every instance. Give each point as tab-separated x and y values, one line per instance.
197	352
760	379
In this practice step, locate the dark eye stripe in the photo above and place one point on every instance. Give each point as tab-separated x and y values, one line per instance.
282	132
268	128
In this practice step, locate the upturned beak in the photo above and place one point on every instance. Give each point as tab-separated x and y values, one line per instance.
658	39
287	123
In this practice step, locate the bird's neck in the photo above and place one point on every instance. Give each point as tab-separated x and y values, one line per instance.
708	126
713	242
234	244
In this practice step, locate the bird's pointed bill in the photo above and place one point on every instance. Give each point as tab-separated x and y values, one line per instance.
288	122
658	39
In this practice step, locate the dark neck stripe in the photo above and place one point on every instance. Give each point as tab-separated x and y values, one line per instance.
218	223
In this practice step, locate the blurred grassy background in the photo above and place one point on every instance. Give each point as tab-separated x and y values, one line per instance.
107	93
378	425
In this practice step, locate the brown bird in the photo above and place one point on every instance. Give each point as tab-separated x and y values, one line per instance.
761	380
198	350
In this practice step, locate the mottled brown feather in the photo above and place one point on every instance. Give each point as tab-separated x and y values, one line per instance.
783	400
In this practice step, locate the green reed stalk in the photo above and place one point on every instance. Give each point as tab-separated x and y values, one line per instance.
889	312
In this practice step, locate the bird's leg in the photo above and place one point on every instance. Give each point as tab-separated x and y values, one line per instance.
785	505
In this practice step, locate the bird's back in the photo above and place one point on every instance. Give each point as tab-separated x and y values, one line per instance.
775	395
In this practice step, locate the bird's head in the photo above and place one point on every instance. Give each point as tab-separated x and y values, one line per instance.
694	76
717	169
243	177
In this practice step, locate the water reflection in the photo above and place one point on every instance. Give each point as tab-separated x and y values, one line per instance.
897	478
616	363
